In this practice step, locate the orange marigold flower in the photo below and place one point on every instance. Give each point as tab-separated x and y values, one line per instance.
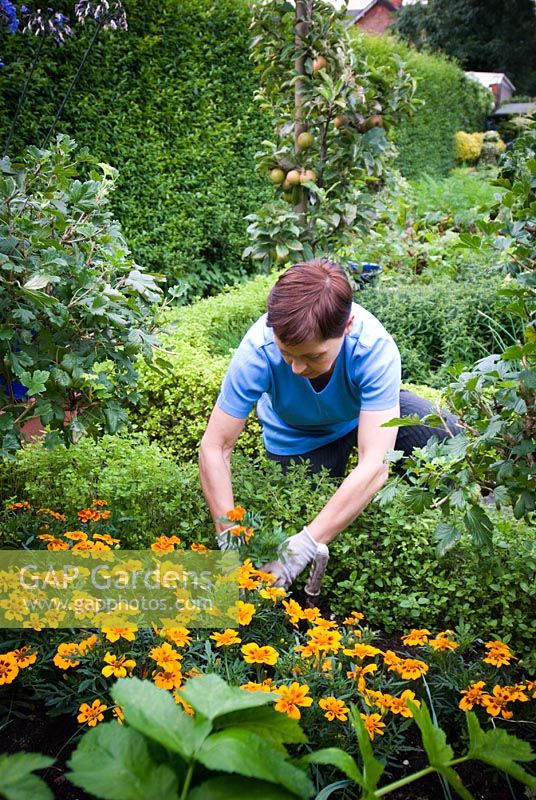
379	700
165	544
496	702
105	537
180	636
169	678
67	655
416	637
373	724
57	544
410	669
358	675
517	692
21	505
118	666
22	657
335	709
442	644
354	618
531	688
117	711
8	668
391	659
293	611
251	686
291	697
324	641
272	593
97	502
312	615
244	612
499	654
228	637
74	536
54	514
199	548
83	545
89	515
91	713
113	634
472	696
164	655
318	620
253	654
88	644
361	651
236	514
398	704
186	707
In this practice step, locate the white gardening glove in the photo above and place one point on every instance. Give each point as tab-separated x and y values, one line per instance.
293	556
225	539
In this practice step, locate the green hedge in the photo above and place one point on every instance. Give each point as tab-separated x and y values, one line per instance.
170	104
451	102
384	564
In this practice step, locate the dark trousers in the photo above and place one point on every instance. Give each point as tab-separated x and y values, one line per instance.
334	456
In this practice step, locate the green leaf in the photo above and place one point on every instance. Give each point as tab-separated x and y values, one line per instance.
500	749
338	758
433	738
479	526
153	711
445	537
39	281
266	722
212	697
35	381
239	750
372	768
16	779
236	788
113	762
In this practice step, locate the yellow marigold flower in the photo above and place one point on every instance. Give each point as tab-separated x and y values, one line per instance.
113	634
416	637
67	655
75	536
324	641
398	704
517	692
361	651
46	537
358	675
243	612
373	724
311	615
165	544
186	707
327	665
293	611
228	637
91	713
390	659
97	502
496	703
442	644
199	548
253	654
57	544
54	514
379	700
290	697
496	644
180	636
105	537
410	669
354	618
319	621
169	678
236	514
8	668
472	696
251	686
531	688
272	593
335	709
118	666
117	711
164	655
88	644
499	654
22	657
83	545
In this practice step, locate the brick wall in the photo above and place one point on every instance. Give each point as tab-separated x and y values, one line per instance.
377	20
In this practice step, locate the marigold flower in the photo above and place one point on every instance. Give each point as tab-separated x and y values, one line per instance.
199	548
293	611
88	643
8	668
311	615
318	620
105	537
407	668
165	544
496	702
324	641
22	505
98	502
290	697
67	655
228	637
373	724
164	655
113	634
442	644
416	637
118	666
251	686
517	692
236	514
398	704
361	651
169	678
358	675
186	707
57	544
180	636
379	700
22	657
117	711
499	653
54	514
91	714
253	654
531	688
472	696
243	612
354	618
89	515
272	593
74	536
335	709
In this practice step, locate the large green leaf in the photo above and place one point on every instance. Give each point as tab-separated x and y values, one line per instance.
439	753
266	722
479	526
113	762
236	788
16	779
501	750
212	697
338	758
239	750
153	712
372	768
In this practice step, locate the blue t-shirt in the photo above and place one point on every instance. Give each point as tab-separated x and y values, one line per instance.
295	418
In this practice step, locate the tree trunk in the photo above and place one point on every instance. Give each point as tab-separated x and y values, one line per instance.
304	10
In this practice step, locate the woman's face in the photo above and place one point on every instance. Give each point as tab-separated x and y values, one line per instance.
315	357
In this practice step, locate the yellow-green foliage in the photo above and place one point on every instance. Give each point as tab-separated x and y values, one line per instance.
468	146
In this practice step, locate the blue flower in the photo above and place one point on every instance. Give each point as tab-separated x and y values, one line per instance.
8	15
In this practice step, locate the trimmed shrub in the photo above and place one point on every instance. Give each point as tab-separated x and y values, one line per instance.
170	105
468	146
451	102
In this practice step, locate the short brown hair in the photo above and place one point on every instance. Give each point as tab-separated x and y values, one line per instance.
311	300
